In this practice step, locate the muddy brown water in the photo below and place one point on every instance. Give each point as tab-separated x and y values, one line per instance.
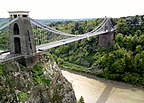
102	91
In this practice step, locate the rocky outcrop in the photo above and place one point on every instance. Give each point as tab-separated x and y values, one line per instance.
44	83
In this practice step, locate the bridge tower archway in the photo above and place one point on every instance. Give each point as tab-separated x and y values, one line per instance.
16	29
17	45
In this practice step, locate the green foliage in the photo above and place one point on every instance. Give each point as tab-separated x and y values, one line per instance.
75	67
119	39
85	54
38	75
4	40
42	36
81	100
124	62
121	26
130	25
138	32
22	96
1	69
60	61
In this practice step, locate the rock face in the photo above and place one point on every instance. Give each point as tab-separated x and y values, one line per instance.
44	83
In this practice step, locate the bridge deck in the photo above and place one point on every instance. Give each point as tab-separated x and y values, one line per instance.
44	47
6	56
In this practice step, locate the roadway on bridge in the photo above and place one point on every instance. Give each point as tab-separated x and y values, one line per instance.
44	47
103	91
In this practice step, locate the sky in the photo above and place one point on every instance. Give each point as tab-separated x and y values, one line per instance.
73	9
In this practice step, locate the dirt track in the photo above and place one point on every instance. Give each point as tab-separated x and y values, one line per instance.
102	91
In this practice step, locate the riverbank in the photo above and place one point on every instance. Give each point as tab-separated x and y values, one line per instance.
102	79
99	90
122	78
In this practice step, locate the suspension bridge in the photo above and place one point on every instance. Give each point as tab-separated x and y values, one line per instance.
22	44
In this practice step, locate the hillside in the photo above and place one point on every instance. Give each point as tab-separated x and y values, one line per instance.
44	83
49	21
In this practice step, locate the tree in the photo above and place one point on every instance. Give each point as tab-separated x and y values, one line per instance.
119	39
116	46
121	26
60	61
128	42
81	100
138	49
138	33
141	40
101	62
134	42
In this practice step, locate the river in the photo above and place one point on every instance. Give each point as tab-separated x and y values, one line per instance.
103	91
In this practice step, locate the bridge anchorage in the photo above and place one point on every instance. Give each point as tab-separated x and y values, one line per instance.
22	44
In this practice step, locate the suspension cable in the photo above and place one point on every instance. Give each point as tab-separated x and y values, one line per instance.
45	28
99	25
4	22
49	28
71	34
7	24
63	33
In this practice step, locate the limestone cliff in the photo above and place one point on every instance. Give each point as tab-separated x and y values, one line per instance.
44	83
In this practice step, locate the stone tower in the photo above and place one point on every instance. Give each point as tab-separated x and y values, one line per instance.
21	35
107	38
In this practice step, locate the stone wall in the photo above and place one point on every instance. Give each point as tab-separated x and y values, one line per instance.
106	39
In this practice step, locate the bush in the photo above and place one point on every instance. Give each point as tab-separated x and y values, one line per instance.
81	100
22	96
